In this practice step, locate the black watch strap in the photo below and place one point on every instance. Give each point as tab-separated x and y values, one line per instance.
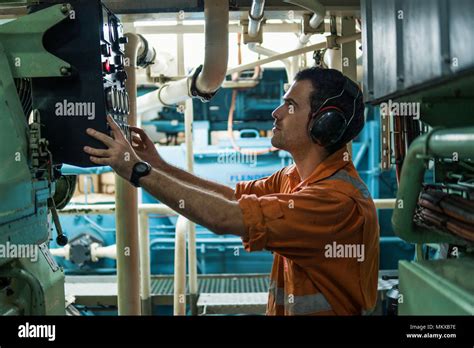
140	169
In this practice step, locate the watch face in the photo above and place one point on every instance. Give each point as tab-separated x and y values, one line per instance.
141	167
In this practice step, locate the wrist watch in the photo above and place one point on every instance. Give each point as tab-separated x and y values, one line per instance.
140	169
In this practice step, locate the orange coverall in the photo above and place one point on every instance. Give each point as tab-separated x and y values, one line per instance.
300	221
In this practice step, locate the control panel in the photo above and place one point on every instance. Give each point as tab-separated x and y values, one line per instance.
91	40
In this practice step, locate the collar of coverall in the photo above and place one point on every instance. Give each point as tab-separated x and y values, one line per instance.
325	169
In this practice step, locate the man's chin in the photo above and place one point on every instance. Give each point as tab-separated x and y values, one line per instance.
276	143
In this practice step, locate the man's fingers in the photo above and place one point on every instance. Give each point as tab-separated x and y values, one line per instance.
100	136
101	161
140	132
96	152
117	132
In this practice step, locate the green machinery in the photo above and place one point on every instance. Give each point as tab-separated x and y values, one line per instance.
30	280
415	55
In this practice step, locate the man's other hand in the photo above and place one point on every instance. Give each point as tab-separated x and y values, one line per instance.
119	154
144	147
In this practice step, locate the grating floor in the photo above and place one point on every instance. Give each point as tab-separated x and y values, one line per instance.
232	283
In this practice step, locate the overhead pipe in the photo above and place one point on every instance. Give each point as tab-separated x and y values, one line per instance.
256	17
206	81
338	40
439	143
319	12
269	53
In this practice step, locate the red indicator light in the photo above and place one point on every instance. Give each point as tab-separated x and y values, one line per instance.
106	66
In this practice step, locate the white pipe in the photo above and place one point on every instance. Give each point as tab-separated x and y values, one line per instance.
126	214
100	252
192	262
216	13
145	268
179	296
339	40
65	251
255	17
199	29
268	53
216	16
147	208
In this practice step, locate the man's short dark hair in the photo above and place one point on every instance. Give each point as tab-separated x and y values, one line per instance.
328	83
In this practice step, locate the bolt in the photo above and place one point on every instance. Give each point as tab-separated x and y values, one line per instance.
64	70
65	8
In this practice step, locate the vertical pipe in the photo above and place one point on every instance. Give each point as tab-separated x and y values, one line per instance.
126	213
179	296
145	271
192	263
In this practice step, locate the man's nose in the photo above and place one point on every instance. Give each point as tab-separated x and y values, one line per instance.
276	114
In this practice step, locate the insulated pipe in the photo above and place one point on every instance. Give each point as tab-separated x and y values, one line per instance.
268	53
339	40
255	17
65	251
145	268
126	214
191	226
439	143
216	15
179	296
100	252
146	208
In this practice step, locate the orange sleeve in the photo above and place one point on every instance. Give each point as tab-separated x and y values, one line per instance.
259	187
298	225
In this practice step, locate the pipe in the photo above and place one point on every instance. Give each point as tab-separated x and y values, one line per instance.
255	17
339	40
146	208
145	268
441	143
268	53
126	214
191	226
100	252
65	251
179	296
216	14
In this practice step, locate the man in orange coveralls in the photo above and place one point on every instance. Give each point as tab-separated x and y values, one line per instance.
316	216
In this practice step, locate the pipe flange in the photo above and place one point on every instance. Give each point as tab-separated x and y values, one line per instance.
195	93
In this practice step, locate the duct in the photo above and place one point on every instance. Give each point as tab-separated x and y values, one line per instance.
206	79
255	17
440	143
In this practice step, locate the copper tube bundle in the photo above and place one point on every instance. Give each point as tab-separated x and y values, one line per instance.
446	212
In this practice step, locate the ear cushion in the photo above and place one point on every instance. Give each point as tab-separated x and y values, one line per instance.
328	126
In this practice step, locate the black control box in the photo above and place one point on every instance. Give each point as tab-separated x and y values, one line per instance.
91	40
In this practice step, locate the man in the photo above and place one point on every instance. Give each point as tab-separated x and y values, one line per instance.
316	216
